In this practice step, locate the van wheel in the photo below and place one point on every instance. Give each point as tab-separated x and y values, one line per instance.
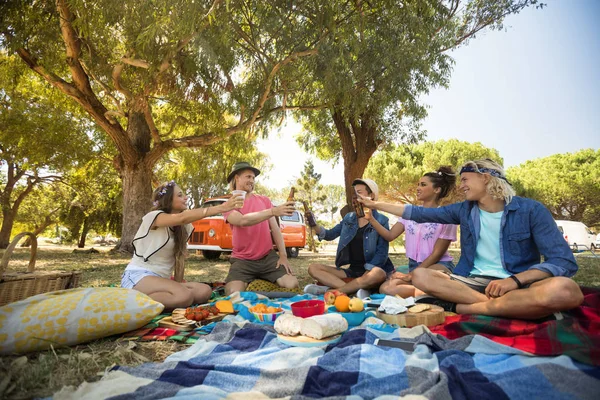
292	252
211	254
575	248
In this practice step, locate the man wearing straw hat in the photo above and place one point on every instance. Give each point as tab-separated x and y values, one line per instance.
255	230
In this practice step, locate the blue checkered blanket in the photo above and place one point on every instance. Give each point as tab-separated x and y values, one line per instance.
249	359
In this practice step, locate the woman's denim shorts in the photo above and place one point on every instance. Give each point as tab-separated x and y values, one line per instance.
412	264
131	277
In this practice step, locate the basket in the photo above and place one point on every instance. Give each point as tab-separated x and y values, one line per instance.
15	286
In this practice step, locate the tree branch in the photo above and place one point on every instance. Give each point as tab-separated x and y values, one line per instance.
106	88
116	77
135	62
150	121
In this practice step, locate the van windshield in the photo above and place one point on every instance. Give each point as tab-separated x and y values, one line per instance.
213	203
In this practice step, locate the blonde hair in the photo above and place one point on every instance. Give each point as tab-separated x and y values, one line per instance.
498	186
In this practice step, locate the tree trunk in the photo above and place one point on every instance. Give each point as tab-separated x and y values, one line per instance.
137	180
84	232
8	220
358	140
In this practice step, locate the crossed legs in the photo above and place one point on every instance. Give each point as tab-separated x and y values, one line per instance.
332	277
401	284
539	300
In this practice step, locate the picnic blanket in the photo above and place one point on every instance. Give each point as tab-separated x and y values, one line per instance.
576	335
251	362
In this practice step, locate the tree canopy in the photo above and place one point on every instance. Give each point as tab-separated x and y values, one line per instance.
567	184
40	137
397	169
156	76
369	78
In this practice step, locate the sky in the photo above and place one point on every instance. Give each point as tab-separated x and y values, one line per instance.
529	91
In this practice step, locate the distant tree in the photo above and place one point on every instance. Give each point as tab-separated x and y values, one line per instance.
40	137
369	78
397	169
567	184
41	209
333	199
93	203
311	191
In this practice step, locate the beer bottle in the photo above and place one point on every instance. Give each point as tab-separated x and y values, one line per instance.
358	207
310	218
291	195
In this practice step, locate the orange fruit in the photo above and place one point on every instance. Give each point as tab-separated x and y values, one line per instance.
342	303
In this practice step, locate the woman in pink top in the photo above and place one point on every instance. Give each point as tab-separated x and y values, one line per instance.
427	243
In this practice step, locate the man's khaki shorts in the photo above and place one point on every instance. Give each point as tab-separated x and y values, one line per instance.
249	270
476	282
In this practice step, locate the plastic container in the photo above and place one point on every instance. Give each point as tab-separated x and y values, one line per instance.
308	308
353	318
267	317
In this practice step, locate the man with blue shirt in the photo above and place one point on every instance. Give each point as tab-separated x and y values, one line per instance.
500	271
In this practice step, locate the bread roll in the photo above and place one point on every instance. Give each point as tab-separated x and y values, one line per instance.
322	326
288	325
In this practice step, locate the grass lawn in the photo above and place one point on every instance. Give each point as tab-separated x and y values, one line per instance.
42	374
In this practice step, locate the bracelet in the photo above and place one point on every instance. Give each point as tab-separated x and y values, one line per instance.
519	284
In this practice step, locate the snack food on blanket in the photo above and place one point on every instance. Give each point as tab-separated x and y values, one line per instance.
322	326
224	306
288	325
263	309
417	308
182	315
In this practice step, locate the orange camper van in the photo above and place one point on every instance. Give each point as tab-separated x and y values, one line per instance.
212	235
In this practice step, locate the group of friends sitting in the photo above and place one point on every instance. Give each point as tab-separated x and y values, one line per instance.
514	261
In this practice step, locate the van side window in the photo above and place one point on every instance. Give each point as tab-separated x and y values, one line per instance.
295	217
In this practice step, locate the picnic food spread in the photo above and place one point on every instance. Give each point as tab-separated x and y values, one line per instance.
188	318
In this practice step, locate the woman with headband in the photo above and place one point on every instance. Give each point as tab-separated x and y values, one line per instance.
161	243
426	244
503	237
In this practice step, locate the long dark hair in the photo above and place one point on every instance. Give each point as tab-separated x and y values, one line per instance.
444	178
162	199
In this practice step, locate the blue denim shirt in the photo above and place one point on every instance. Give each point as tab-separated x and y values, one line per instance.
527	231
375	247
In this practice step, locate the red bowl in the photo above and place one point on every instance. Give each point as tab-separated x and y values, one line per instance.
308	308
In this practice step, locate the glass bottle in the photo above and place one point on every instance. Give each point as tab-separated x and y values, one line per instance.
310	218
358	207
291	195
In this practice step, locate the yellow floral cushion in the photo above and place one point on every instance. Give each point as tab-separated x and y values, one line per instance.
68	317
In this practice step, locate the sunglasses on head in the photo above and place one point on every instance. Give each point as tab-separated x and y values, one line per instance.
472	167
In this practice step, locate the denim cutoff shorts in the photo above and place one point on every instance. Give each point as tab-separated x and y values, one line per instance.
131	277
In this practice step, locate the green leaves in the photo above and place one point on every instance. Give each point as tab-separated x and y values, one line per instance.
568	184
398	168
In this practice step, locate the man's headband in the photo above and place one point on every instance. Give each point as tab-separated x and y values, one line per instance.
492	172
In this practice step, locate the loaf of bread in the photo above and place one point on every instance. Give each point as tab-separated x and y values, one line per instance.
322	326
288	325
317	327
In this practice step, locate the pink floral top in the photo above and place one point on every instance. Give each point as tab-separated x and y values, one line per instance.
420	238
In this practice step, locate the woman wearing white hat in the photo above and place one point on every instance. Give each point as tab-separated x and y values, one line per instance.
360	247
